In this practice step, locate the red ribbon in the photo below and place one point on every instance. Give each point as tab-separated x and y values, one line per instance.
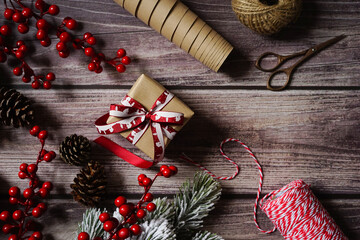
134	116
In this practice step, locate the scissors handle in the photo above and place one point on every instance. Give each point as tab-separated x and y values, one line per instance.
280	61
287	71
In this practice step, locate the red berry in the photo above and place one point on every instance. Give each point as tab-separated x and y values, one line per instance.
109	226
147	182
17	71
53	154
104	217
77	43
83	236
163	167
40	5
126	60
50	76
46	42
87	35
5	216
35	130
91	40
37	235
35	84
42	206
121	53
54	10
37	212
148	197
43	192
92	67
19	54
141	177
28	193
23	167
32	168
65	37
22	175
17	17
71	24
26	79
42	24
14	192
18	215
5	30
151	207
167	173
64	54
27	12
99	69
7	228
119	201
23	28
135	229
43	134
124	233
48	157
141	213
120	68
20	43
60	46
23	48
8	13
47	85
41	34
89	51
13	201
34	183
14	237
124	210
48	185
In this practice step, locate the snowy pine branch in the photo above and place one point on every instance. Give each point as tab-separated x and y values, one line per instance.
91	223
205	235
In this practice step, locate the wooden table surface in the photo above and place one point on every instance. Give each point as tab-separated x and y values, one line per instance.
310	131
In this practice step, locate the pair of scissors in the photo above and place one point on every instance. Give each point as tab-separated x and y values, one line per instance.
306	54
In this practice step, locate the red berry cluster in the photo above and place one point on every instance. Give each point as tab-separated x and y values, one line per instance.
132	214
30	198
21	14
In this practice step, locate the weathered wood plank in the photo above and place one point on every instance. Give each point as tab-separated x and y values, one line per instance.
321	20
310	135
232	219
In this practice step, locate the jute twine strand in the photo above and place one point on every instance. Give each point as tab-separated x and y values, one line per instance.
267	19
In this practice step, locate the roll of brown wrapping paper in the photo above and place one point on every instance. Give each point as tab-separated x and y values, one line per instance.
183	27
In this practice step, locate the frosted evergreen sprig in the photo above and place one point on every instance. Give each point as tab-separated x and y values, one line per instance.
194	202
91	223
164	209
156	229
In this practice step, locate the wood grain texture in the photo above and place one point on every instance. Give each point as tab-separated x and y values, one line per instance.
309	132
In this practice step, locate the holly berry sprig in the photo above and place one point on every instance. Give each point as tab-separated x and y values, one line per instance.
17	223
132	214
21	14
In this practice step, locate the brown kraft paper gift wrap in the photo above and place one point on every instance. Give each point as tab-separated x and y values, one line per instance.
146	91
176	22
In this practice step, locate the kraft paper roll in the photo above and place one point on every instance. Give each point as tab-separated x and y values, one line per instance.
120	2
205	31
177	23
173	20
131	6
160	13
145	10
192	34
184	26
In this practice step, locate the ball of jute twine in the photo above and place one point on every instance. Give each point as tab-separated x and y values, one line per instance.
267	16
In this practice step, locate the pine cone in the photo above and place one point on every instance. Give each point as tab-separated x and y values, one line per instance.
89	186
75	150
15	108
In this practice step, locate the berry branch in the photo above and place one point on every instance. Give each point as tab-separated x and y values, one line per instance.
16	223
21	14
132	214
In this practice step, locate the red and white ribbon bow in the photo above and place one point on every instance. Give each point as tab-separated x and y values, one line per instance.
134	116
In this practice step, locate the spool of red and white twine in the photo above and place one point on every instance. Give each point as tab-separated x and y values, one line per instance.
294	210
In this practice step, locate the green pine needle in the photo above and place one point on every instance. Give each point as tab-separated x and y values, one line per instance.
164	209
156	229
194	202
91	223
205	235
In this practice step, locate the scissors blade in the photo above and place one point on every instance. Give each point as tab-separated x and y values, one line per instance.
323	45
